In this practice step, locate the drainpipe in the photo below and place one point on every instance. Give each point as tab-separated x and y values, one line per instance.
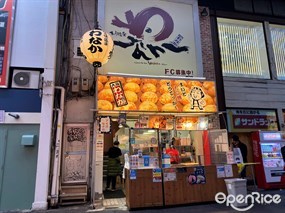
57	151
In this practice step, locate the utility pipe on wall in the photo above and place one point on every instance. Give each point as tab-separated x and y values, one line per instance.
57	151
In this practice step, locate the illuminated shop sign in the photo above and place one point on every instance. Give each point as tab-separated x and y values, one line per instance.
271	136
6	13
155	95
243	120
150	39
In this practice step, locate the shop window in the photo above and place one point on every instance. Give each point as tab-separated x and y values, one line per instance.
278	43
243	49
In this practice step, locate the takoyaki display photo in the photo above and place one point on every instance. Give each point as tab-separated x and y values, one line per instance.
160	95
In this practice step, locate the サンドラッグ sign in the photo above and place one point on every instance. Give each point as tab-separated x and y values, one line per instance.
246	120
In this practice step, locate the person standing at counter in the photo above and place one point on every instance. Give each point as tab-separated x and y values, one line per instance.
236	143
174	154
114	165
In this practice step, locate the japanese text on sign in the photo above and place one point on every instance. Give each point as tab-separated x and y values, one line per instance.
118	93
105	124
247	121
95	41
150	42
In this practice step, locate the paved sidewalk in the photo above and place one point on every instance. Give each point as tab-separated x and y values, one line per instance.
212	207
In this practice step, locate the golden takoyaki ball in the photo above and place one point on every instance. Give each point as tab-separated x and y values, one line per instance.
107	85
131	96
104	105
208	84
116	78
106	94
149	96
100	86
179	82
121	108
209	100
130	106
165	98
102	78
194	83
212	91
149	80
169	108
148	106
133	80
184	99
132	87
164	89
182	89
165	82
187	108
210	108
154	122
148	87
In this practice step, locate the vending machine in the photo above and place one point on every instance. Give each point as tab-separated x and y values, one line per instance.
268	151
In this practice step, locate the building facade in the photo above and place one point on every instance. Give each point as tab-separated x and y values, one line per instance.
80	105
247	39
244	56
26	105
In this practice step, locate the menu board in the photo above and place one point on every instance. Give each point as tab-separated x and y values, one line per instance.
105	124
158	95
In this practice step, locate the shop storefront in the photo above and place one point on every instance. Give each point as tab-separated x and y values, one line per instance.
244	121
166	137
258	129
154	90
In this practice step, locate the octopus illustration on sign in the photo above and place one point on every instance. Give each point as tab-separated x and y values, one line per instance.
138	28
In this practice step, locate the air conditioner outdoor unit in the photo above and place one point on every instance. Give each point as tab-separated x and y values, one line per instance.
27	79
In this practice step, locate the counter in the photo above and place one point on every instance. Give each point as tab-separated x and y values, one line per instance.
181	192
143	192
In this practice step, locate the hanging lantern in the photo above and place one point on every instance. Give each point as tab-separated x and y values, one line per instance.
97	47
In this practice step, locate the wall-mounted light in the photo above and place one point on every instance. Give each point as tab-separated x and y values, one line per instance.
204	12
203	125
124	125
188	125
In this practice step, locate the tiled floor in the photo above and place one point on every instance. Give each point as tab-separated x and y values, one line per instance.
114	203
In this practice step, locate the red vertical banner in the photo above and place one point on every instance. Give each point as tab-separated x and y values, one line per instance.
6	25
207	152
